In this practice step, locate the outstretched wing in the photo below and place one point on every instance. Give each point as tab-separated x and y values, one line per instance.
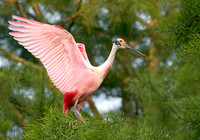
82	49
54	46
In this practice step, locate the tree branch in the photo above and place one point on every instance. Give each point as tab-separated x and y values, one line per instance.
153	60
18	59
57	128
143	22
15	112
38	68
37	11
79	1
19	117
149	25
69	19
74	16
170	6
79	6
19	7
137	40
93	108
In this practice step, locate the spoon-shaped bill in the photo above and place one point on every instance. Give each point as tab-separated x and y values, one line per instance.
137	52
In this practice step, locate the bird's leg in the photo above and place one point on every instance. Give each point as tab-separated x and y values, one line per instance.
80	106
77	111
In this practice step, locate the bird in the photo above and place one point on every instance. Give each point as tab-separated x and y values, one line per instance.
66	61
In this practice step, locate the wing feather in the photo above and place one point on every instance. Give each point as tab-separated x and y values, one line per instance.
54	46
83	51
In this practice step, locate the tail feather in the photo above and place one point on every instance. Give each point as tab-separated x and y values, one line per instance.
66	109
68	101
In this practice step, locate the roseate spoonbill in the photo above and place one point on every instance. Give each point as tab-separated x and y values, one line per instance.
66	61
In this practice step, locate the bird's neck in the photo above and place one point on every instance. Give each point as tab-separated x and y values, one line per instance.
105	67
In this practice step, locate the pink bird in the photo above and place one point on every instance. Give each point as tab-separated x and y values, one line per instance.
65	60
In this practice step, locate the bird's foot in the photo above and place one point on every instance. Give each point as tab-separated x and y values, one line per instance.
79	115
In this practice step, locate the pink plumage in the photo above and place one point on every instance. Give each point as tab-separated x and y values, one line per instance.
54	46
65	60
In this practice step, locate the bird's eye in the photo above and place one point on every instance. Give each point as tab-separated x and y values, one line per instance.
117	43
121	41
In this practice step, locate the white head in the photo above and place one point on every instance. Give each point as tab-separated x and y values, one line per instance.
121	44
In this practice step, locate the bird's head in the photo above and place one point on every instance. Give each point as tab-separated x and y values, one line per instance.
121	44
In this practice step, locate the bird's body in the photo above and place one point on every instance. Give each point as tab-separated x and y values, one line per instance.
65	60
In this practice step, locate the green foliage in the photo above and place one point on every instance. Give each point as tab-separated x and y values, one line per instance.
160	105
171	97
153	93
55	125
188	112
23	94
183	28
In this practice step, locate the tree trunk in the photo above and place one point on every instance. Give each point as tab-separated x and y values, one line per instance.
153	59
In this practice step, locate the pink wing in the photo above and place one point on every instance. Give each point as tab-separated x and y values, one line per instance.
82	49
54	46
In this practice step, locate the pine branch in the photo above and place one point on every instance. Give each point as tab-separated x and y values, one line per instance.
70	19
79	1
114	126
15	112
173	6
153	59
74	16
19	8
191	20
137	41
55	130
184	119
19	117
17	59
93	108
37	11
77	13
149	25
143	22
79	6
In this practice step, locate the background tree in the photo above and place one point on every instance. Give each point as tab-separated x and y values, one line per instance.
160	95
